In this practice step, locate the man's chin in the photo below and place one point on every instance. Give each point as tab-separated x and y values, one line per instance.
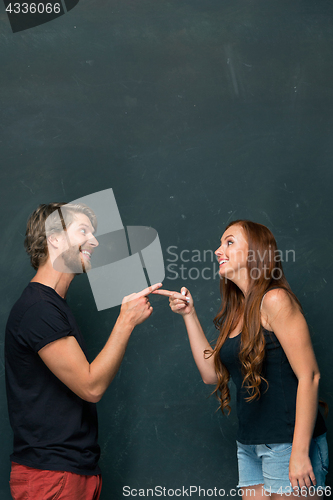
86	265
72	262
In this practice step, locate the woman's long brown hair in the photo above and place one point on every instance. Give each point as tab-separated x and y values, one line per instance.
265	271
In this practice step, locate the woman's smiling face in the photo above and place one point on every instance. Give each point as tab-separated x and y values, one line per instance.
232	254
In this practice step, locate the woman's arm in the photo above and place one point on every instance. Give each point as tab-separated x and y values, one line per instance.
290	327
182	303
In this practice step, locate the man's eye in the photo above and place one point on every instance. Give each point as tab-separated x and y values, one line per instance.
83	230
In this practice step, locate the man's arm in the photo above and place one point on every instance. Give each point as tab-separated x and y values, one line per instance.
65	358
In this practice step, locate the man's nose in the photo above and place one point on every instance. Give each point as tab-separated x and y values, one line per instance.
93	241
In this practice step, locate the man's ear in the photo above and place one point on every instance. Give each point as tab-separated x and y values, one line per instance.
54	240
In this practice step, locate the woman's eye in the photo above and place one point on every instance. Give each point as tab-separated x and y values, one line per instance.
83	231
229	241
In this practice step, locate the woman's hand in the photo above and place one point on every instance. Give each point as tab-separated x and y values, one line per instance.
181	303
300	471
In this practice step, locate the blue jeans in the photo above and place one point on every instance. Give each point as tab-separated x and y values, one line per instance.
269	464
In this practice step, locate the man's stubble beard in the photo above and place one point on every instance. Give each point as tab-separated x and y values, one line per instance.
74	260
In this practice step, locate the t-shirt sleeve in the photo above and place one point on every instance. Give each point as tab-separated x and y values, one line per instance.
43	323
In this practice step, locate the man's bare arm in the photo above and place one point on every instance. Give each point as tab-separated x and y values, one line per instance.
65	358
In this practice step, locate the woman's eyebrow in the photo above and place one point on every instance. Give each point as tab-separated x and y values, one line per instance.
228	236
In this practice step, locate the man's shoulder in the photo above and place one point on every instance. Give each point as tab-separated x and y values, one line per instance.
37	318
30	296
36	301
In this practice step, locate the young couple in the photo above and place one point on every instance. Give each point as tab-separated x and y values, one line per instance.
264	346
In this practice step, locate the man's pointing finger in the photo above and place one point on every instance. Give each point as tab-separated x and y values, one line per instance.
148	290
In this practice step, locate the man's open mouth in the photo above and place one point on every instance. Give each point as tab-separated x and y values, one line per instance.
86	253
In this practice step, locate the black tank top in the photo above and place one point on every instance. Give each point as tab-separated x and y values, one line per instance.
271	419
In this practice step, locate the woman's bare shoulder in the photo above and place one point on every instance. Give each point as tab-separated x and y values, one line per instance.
277	301
278	296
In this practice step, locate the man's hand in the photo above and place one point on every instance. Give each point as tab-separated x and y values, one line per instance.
66	360
136	308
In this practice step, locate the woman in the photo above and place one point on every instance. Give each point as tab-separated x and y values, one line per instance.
265	346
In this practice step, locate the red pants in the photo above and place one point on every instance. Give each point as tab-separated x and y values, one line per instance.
27	483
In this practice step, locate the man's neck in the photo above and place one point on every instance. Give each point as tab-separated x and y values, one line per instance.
60	282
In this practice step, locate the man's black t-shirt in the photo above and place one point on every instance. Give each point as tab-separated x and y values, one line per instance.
53	428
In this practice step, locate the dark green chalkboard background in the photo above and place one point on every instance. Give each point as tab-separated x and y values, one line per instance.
196	113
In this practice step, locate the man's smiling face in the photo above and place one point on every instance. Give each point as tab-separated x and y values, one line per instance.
79	243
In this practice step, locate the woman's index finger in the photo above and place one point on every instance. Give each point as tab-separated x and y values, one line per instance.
166	293
176	295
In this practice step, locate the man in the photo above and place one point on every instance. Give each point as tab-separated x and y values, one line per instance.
51	387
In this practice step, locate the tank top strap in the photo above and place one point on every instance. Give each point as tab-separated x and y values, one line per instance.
273	288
